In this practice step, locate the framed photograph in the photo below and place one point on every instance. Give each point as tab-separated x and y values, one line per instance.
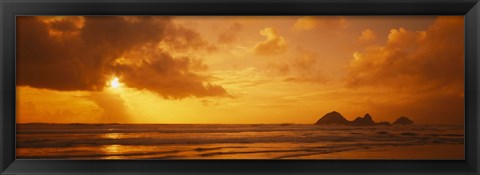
239	87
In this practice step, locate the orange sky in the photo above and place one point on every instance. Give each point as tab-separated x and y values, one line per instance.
239	69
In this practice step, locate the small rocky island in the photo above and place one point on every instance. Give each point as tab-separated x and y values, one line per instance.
403	121
335	118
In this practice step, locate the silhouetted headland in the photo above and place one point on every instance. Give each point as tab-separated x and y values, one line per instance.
335	118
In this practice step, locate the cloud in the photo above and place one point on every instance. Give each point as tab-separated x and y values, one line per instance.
76	63
326	23
307	67
229	33
238	80
172	78
412	59
279	68
304	67
425	69
206	102
367	35
63	27
305	61
181	39
274	44
80	53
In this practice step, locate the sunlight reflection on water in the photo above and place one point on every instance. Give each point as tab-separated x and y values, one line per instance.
112	150
112	135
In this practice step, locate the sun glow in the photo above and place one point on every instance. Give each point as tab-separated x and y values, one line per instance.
115	83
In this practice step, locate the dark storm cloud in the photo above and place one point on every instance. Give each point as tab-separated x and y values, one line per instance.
80	53
172	78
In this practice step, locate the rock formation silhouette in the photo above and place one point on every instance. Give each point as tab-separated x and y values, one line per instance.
332	118
403	121
335	118
365	121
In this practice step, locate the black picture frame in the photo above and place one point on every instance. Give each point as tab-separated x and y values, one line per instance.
9	9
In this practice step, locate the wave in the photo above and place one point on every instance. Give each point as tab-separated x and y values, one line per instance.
244	136
205	141
203	128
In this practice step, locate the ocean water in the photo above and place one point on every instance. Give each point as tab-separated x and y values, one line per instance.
236	141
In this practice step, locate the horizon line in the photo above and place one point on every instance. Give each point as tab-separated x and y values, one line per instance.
197	123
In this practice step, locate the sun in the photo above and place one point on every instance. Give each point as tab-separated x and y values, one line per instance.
115	83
